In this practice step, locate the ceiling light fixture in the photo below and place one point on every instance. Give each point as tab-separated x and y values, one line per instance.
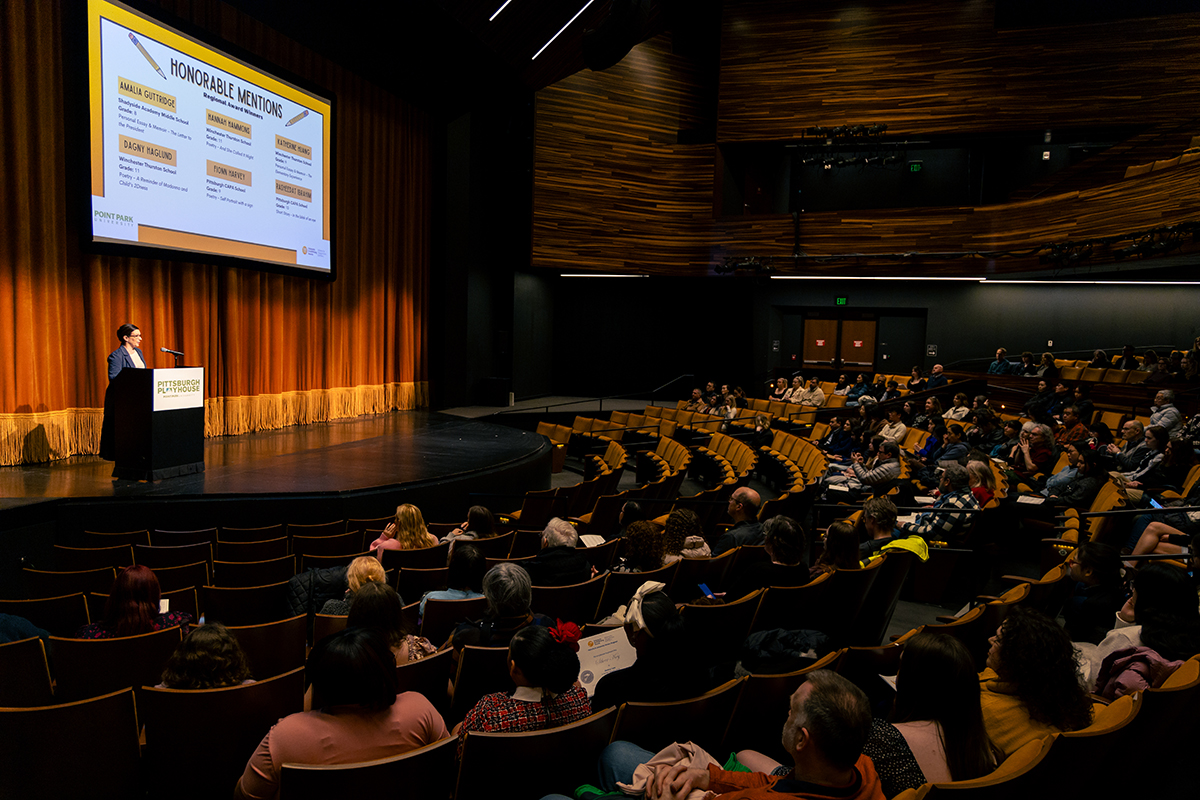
563	28
598	275
498	10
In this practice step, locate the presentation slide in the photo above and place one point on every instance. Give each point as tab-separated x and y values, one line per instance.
194	150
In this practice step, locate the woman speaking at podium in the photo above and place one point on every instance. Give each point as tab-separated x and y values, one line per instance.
129	354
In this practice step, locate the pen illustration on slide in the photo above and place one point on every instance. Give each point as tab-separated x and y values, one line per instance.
202	164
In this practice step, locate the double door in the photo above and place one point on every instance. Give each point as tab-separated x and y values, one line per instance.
840	343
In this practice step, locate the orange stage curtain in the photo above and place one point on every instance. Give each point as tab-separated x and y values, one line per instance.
277	350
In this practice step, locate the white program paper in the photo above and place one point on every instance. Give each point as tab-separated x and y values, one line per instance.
600	655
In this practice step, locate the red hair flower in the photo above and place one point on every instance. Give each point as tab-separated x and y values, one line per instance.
567	633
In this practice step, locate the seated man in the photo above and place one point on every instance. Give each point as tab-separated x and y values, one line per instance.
951	516
813	395
784	540
1073	430
883	470
828	724
986	433
876	525
1128	360
895	430
743	510
559	562
696	402
1164	414
1134	451
937	379
892	392
1000	366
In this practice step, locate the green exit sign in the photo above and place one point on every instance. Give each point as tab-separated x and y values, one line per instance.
840	301
915	166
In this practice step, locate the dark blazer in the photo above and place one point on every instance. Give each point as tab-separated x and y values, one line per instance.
120	359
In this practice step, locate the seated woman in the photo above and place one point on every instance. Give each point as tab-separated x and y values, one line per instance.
208	658
543	665
1031	685
357	714
840	552
1172	471
916	383
1035	407
783	538
668	665
464	578
377	606
958	409
780	391
1098	592
132	608
683	537
1081	490
406	531
793	394
982	481
508	590
643	549
480	524
1160	615
1100	360
364	569
842	387
840	440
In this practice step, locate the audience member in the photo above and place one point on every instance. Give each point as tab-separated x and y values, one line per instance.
1035	407
1031	686
892	392
937	378
1059	481
1163	413
842	387
1083	488
1061	398
916	383
1129	361
14	629
480	524
1171	472
1011	438
779	392
1072	430
840	440
881	471
876	525
743	510
1097	594
543	664
982	481
464	577
951	516
1034	453
132	608
1134	450
406	531
784	540
508	591
668	666
357	714
1100	360
814	395
363	569
895	430
559	562
683	537
986	432
1085	409
959	409
208	658
1158	624
1047	369
828	724
840	550
858	391
643	549
797	389
378	606
1000	366
1027	366
936	733
1156	445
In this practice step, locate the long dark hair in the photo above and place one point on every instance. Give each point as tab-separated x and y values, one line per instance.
133	603
547	663
378	607
1037	656
841	547
937	681
1166	610
481	522
352	667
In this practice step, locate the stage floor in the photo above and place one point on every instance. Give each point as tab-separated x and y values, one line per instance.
361	454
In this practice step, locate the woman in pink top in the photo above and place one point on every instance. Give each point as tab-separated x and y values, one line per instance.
357	715
407	531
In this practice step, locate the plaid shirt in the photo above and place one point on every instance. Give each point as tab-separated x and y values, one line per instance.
944	522
500	713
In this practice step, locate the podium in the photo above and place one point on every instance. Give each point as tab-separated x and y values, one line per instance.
158	423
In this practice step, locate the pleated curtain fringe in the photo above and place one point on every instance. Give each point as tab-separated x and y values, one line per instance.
52	435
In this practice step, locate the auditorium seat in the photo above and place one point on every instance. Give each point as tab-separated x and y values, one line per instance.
559	754
250	605
702	720
428	771
215	730
620	586
103	761
309	561
369	524
259	534
252	551
327	625
423	558
692	572
161	538
99	539
240	574
184	576
26	674
76	559
412	584
481	670
172	556
727	625
428	676
575	603
443	616
42	583
339	544
1010	779
273	648
317	529
92	667
602	556
61	616
497	546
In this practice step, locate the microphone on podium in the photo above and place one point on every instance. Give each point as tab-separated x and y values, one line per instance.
172	352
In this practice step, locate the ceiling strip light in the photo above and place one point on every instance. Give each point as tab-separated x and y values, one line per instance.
563	28
498	10
868	278
598	275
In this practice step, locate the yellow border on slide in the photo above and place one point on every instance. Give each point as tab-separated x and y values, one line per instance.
155	31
